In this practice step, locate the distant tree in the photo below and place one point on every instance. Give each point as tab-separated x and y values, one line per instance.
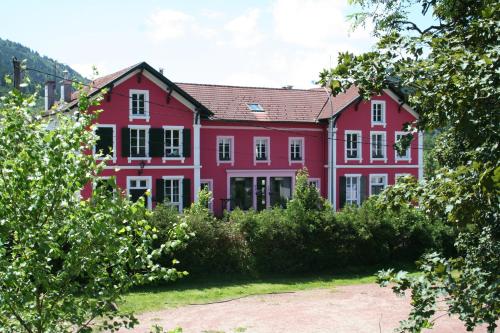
450	73
64	261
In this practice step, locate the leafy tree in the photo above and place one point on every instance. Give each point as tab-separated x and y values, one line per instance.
449	72
64	261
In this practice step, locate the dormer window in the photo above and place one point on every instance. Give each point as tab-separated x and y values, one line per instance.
255	107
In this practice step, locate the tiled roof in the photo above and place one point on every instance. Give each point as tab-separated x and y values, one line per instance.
279	104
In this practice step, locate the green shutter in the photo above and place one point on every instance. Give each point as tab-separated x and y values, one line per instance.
105	141
160	190
186	193
186	142
125	142
363	189
342	195
156	140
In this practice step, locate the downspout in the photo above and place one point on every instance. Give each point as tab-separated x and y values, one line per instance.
334	161
196	159
420	155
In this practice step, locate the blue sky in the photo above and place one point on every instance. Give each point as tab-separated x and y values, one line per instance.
259	43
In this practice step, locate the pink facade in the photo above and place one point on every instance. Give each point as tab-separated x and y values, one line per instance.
172	141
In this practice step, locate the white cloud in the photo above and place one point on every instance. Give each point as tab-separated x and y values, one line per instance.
244	29
168	24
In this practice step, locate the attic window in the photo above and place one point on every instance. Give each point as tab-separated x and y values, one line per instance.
254	107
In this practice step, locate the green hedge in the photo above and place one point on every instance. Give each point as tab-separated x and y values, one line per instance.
306	236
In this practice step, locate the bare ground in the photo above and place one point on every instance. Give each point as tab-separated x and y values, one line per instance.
352	309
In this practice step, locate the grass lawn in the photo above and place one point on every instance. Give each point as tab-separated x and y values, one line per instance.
197	291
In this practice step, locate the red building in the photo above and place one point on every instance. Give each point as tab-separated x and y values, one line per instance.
246	143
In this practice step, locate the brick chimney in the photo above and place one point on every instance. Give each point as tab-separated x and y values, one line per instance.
50	94
66	88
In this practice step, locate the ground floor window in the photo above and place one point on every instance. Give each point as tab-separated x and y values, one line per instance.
352	190
377	184
208	185
173	195
137	188
280	191
241	192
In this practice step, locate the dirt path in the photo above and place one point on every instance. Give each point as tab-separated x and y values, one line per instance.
351	309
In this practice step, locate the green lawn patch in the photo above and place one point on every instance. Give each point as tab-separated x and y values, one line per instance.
201	291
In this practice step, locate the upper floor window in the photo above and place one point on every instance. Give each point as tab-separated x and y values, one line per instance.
353	145
296	149
255	107
261	149
224	149
138	142
378	113
378	146
173	141
106	141
377	183
139	104
405	155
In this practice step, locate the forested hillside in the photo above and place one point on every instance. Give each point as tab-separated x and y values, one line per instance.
34	60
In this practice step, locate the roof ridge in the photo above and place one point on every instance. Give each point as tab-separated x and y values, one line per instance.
247	87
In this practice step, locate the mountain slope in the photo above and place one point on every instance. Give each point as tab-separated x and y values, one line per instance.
9	49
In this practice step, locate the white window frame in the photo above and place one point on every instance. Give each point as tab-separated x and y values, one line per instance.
148	179
360	146
399	175
231	149
147	157
384	146
358	190
302	150
316	181
94	184
181	194
113	126
181	143
372	176
268	150
145	116
210	183
406	158
383	115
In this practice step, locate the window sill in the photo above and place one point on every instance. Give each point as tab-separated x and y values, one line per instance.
379	124
131	118
376	159
290	162
102	159
407	160
165	159
147	159
359	160
255	162
219	162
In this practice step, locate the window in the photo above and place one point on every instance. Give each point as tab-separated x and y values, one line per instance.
296	150
173	192
261	150
105	184
378	113
173	142
400	175
139	104
405	156
208	185
255	107
378	146
353	145
377	183
138	139
314	182
225	149
106	142
352	193
138	187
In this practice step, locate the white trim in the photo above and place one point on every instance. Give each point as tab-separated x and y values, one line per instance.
253	128
334	169
145	158
210	183
113	126
329	176
181	144
131	116
405	106
358	188
420	156
266	171
175	94
181	194
196	159
384	175
360	146
379	166
268	150
302	150
396	157
318	181
231	150
148	167
149	181
383	110
384	146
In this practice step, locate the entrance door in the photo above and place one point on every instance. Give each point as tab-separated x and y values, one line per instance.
261	193
241	191
280	190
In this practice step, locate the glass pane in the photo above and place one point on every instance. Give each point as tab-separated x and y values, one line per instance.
280	190
241	191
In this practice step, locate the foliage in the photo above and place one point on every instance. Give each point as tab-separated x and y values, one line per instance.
449	73
64	261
